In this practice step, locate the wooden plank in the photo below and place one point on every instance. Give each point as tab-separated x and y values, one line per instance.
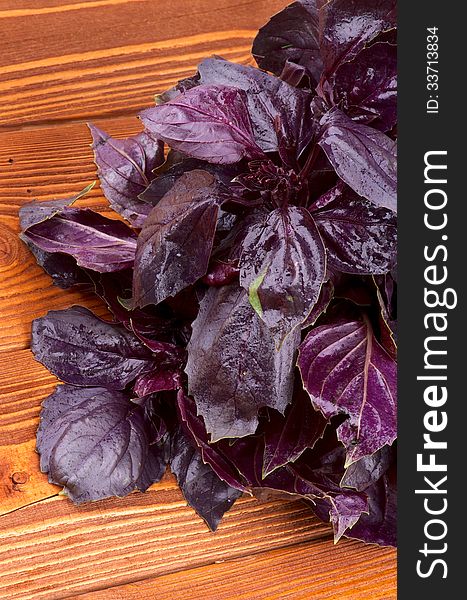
317	570
108	57
53	549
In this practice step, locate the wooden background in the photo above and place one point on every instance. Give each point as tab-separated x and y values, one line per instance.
63	62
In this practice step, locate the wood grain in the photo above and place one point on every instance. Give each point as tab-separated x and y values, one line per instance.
63	62
53	549
108	57
313	570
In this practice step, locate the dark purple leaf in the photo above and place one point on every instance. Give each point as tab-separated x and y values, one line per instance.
209	122
359	237
314	477
183	85
221	273
379	526
158	418
362	156
287	437
96	242
356	289
233	366
157	327
366	471
203	490
161	378
268	99
125	169
290	35
366	87
325	296
346	27
196	430
81	349
293	74
62	268
175	243
282	267
96	443
346	371
165	181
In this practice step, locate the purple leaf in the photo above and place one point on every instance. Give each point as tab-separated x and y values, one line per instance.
158	418
81	349
365	472
362	156
385	292
290	35
347	27
209	122
269	101
183	85
282	267
96	242
323	468
196	430
164	182
314	477
346	371
62	268
233	366
161	378
287	437
35	212
175	243
96	444
325	296
379	526
203	490
359	237
125	168
366	87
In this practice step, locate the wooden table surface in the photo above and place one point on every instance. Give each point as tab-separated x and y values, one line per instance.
63	62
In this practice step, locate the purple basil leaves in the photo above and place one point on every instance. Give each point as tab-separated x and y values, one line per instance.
233	365
291	36
176	241
347	371
209	495
125	169
363	157
94	241
211	123
252	293
282	267
81	349
96	443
